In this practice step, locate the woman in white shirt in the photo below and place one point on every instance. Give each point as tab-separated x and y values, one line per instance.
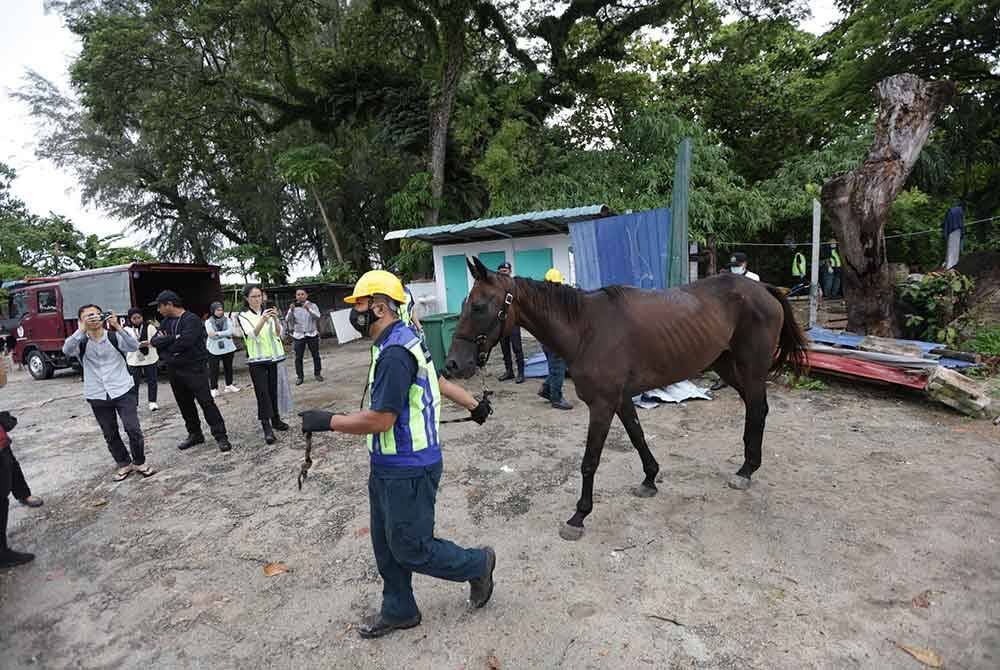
220	348
142	363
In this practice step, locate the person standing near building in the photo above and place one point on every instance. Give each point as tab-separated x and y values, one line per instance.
181	343
798	268
142	362
512	341
552	387
738	265
402	425
832	275
221	348
101	344
261	327
302	321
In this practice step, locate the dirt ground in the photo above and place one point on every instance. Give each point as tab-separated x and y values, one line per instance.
874	521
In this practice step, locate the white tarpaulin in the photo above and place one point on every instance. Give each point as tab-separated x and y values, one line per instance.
678	392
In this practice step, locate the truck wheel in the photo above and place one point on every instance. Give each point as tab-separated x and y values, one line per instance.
39	366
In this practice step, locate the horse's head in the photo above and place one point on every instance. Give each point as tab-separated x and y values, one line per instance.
486	317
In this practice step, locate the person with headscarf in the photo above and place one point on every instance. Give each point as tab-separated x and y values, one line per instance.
142	362
221	349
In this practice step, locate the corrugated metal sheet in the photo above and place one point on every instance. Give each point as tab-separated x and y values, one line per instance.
629	249
515	225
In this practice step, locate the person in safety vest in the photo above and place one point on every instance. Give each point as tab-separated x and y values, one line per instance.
402	425
552	387
832	276
798	267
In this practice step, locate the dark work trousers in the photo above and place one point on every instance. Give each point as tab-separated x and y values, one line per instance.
6	474
213	369
189	385
265	386
553	385
18	484
149	372
300	350
107	412
512	342
402	530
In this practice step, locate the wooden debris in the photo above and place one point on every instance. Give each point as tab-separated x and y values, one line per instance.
885	345
958	392
967	356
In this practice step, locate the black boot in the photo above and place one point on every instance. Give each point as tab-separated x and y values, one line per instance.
506	376
481	588
268	432
191	441
278	424
10	558
376	626
520	375
224	444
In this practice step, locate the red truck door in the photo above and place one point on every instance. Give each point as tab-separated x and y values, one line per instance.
43	325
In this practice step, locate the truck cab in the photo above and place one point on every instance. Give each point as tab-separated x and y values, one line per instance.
36	307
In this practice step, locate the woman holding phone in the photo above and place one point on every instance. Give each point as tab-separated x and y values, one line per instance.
262	337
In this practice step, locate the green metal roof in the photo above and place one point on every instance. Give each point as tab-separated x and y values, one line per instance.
553	221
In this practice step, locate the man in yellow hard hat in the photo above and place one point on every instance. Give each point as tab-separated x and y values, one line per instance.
552	387
402	427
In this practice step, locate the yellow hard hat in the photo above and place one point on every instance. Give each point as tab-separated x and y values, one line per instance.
377	281
554	276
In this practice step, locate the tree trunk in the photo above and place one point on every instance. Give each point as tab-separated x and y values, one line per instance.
329	226
441	109
858	202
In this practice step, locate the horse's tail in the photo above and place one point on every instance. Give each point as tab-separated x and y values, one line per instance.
792	343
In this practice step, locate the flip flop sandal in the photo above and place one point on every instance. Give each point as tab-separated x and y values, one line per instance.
123	473
145	471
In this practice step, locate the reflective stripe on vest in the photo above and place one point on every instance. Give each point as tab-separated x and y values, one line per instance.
834	258
406	311
418	431
264	347
799	265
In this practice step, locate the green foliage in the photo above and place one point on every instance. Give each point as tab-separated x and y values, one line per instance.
932	303
985	341
334	273
407	206
415	260
807	383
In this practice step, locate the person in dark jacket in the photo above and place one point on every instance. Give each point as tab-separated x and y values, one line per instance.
181	344
8	467
511	342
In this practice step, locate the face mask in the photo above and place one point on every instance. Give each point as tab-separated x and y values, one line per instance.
737	269
362	321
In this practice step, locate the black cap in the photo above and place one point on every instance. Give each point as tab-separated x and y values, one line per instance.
739	258
504	266
165	297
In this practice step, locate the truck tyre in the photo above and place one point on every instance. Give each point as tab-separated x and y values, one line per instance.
39	366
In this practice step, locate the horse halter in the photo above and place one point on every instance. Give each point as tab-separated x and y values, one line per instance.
483	354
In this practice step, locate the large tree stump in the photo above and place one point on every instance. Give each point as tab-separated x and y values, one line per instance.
858	202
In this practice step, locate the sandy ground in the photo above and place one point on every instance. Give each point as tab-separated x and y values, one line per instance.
874	521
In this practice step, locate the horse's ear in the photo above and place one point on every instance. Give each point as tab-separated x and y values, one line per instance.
477	269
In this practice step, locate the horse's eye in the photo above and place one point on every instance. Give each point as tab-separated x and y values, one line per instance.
479	307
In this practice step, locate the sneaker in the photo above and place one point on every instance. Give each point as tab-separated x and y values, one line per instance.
10	558
481	589
506	377
561	404
153	407
215	393
300	381
191	441
224	444
32	501
319	378
232	388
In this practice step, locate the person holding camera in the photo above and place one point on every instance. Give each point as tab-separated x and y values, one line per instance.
221	348
101	344
181	343
261	327
302	321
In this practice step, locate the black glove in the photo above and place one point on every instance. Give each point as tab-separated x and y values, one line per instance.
315	420
8	421
482	411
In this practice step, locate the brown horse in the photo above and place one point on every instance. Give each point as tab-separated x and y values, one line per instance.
620	341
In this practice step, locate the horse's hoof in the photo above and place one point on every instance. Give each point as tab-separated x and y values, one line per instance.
571	533
643	491
739	482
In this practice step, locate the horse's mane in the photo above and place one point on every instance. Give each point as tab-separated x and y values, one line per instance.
554	297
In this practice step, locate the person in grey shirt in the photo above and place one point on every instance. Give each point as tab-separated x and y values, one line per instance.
108	386
302	321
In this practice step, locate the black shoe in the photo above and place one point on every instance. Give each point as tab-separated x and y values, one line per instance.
10	558
300	381
269	437
278	424
718	386
506	377
319	378
561	404
519	379
376	626
543	393
224	444
191	441
481	589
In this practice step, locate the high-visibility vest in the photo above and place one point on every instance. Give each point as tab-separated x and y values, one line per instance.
413	438
799	264
265	346
834	258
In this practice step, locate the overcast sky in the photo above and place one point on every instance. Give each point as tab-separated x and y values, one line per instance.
30	38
